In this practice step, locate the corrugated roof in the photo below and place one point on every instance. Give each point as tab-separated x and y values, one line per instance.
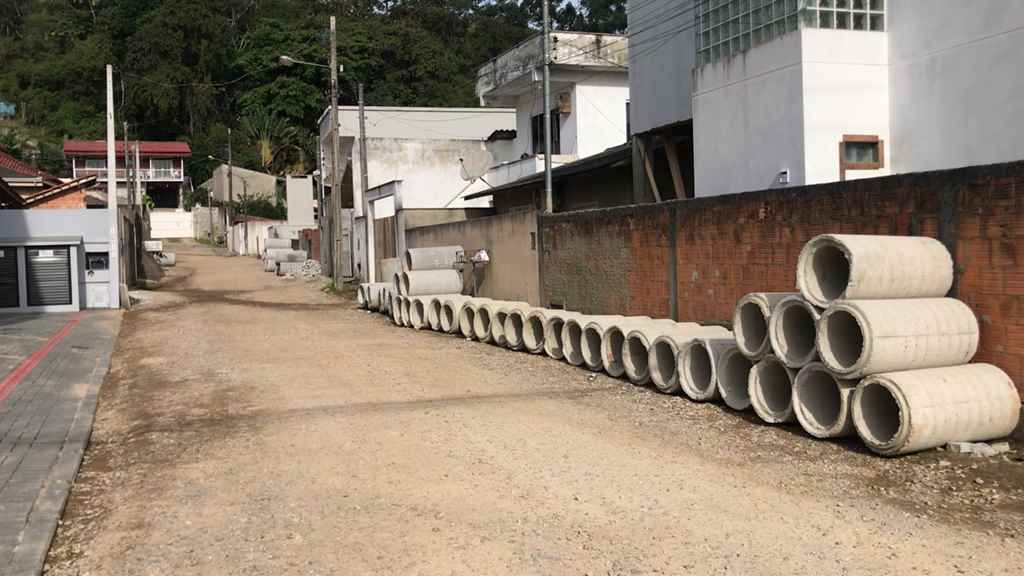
146	148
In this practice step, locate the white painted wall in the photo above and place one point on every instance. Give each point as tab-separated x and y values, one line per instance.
300	201
957	82
171	224
661	64
600	106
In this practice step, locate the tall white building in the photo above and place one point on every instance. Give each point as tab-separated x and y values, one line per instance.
792	92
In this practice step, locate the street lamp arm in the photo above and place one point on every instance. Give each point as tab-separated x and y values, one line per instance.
285	60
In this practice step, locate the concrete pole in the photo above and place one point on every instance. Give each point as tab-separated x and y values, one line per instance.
548	194
336	204
138	173
365	181
115	264
228	237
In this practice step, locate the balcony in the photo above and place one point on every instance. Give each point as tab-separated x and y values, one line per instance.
146	174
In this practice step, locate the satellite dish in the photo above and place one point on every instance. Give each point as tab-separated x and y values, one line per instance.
475	164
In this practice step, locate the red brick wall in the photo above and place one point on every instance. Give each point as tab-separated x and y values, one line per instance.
69	200
622	260
311	237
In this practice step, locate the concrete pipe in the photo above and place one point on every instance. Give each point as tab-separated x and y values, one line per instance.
396	284
418	312
486	324
861	337
361	298
286	255
698	366
902	412
396	310
750	322
637	357
593	343
822	402
572	336
434	258
269	265
515	324
435	305
407	312
533	330
862	267
554	327
375	295
286	268
733	378
614	336
451	307
467	315
792	330
430	282
770	388
386	301
270	243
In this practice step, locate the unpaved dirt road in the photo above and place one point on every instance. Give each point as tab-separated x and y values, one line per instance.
252	425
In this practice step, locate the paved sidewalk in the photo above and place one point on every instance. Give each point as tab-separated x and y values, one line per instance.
51	368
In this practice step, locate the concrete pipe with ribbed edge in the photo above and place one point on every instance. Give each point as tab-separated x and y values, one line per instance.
861	337
863	267
734	378
901	412
486	324
698	367
277	243
572	336
770	388
407	312
554	325
451	307
375	295
285	255
592	341
750	322
663	352
822	402
418	312
792	330
386	301
269	265
431	282
396	284
361	298
467	315
434	304
432	258
514	324
661	347
396	310
533	330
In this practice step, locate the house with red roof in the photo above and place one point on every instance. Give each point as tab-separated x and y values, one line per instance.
161	167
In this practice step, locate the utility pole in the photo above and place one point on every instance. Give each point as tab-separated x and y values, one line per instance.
128	182
114	260
548	195
365	183
231	197
335	152
138	174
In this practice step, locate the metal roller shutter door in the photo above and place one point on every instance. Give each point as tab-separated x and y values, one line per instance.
48	275
8	277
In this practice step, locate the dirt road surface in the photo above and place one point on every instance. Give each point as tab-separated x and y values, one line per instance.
258	426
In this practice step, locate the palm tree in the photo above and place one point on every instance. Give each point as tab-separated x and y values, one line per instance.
271	134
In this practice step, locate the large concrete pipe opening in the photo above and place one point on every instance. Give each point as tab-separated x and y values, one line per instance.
752	329
634	359
880	414
697	371
404	282
771	391
793	332
663	363
448	320
514	330
361	296
482	324
822	402
434	314
572	336
498	327
467	317
611	351
590	347
842	341
533	333
826	272
407	312
733	379
553	347
418	314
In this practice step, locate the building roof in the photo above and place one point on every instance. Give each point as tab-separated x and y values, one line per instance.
12	164
58	191
146	148
9	198
609	157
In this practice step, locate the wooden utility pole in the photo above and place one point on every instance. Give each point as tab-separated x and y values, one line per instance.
114	260
336	207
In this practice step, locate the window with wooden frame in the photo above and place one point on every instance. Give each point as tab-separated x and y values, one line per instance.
860	152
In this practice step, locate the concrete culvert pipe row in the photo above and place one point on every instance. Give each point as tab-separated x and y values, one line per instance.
792	330
554	327
770	388
451	306
281	243
663	354
902	412
614	336
418	312
733	379
822	402
533	331
750	322
863	267
861	337
636	357
433	258
515	326
595	334
698	367
572	336
487	322
430	282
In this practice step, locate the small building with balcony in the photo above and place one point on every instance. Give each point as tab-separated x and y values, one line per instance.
161	168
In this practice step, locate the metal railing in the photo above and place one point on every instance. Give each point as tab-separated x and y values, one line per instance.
146	174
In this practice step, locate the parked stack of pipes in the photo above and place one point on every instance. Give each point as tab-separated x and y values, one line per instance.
279	258
869	346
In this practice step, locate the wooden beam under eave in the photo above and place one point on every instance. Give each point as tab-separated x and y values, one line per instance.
649	168
672	152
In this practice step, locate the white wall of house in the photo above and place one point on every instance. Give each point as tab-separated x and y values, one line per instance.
599	105
661	78
956	82
300	200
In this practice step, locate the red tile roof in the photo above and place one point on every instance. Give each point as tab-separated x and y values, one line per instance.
146	148
23	168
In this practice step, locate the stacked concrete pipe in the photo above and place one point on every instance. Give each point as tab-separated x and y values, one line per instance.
636	357
902	412
451	308
770	389
864	267
396	284
572	336
861	337
432	258
435	308
272	243
515	324
407	311
362	300
486	325
698	366
418	312
792	330
396	310
269	265
822	402
430	282
734	378
750	322
594	342
663	353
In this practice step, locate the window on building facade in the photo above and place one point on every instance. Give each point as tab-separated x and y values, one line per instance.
95	163
537	133
860	152
728	27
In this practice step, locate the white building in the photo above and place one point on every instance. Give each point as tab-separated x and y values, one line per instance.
793	92
589	99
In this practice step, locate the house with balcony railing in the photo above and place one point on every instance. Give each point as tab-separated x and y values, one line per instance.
161	167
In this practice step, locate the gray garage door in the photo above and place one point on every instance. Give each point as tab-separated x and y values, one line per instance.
48	274
8	277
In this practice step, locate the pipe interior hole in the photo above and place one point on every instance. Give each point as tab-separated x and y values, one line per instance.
534	333
775	386
614	348
575	336
753	326
798	331
845	338
556	332
881	413
820	399
592	346
698	368
635	356
733	377
831	271
665	361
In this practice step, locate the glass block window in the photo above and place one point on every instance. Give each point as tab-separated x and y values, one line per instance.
728	27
